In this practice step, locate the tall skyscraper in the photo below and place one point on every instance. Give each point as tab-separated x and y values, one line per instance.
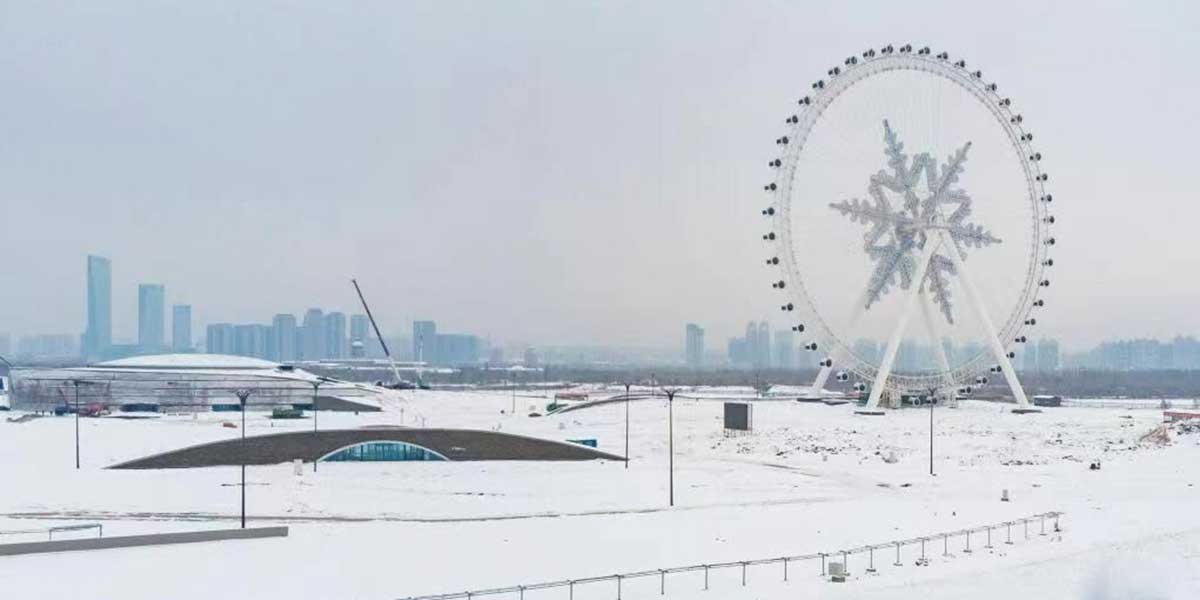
694	345
250	340
181	328
785	355
1047	354
151	317
283	338
219	339
424	341
335	335
313	335
762	349
98	337
360	336
1029	357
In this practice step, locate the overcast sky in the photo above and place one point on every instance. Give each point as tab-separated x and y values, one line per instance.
545	172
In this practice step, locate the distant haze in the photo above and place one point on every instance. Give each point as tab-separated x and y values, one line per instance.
550	172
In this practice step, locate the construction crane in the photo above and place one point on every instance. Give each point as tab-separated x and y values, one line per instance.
400	383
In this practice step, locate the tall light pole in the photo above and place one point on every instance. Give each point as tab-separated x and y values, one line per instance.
671	445
316	384
242	394
627	425
932	399
77	383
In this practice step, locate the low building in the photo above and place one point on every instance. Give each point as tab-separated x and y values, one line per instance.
187	383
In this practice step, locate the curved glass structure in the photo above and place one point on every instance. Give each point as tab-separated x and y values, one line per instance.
382	452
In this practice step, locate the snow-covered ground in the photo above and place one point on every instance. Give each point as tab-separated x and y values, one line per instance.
810	478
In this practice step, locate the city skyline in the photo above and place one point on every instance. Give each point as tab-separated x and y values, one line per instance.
601	244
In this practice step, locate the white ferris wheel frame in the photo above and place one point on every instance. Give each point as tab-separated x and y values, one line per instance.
784	192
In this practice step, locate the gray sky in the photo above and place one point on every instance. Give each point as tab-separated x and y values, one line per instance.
551	172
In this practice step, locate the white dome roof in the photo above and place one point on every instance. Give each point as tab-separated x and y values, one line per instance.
189	361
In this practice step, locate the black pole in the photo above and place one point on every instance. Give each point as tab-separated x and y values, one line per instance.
242	395
626	425
76	424
315	384
931	400
671	444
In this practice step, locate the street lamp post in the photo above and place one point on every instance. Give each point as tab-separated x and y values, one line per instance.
626	425
932	399
316	385
77	383
242	395
671	446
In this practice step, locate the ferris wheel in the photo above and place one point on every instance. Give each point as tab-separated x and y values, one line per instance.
910	224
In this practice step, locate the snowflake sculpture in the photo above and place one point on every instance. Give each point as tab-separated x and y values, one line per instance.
898	233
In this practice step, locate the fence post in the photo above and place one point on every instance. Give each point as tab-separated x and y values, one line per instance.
1056	529
945	545
1026	523
989	539
785	568
871	559
618	587
662	582
967	550
1043	519
571	590
898	563
521	590
922	548
845	562
706	577
1009	527
822	564
743	574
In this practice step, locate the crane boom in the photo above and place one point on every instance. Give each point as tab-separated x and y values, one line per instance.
395	371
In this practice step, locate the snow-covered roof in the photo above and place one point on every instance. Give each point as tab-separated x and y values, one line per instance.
189	361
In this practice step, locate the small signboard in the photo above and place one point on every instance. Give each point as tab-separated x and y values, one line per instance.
738	416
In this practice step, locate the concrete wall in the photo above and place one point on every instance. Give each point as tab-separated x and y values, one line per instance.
130	541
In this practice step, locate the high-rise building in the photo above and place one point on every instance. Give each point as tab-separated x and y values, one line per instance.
424	340
313	335
694	345
1029	357
785	357
47	346
98	337
454	349
1047	355
181	328
250	340
283	338
762	348
335	335
151	317
531	358
219	339
360	329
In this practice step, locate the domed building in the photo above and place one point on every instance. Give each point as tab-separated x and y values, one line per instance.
187	383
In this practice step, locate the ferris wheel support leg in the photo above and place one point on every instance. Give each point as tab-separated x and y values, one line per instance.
993	339
889	355
819	383
938	350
